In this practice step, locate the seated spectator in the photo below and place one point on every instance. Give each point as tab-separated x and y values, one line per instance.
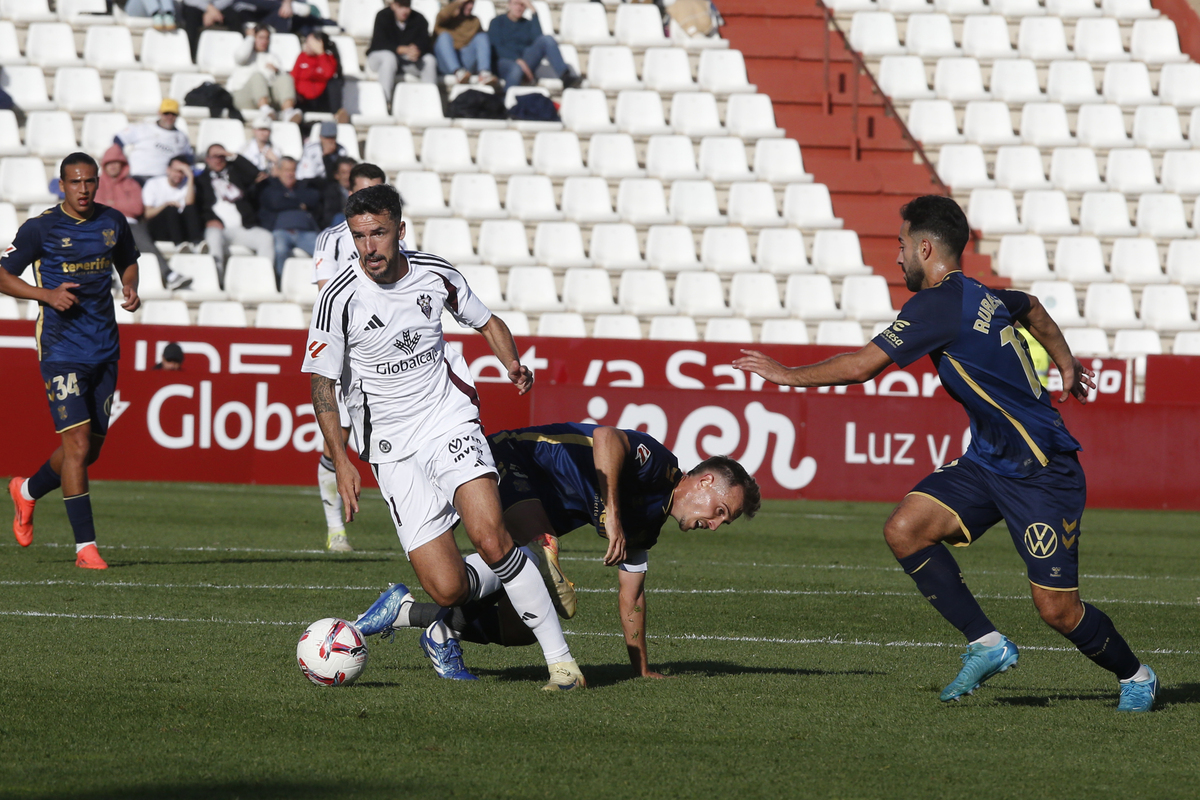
170	200
520	46
225	192
319	158
160	12
333	197
400	44
286	208
259	81
318	77
172	358
149	146
259	150
123	193
237	15
461	46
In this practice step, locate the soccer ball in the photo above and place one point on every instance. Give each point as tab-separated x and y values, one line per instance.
331	653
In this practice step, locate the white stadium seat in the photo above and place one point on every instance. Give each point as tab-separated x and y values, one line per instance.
1134	343
531	289
930	36
671	157
586	111
51	134
109	48
166	52
165	312
1059	299
1074	169
231	133
809	206
1179	85
221	314
587	200
1128	84
1045	125
695	114
639	26
1080	260
1155	41
642	202
215	52
752	204
723	72
780	161
866	298
10	136
783	331
640	113
475	196
614	246
726	249
1072	9
1110	306
873	33
666	69
932	122
612	69
251	280
1099	39
446	150
838	253
51	44
279	315
1105	214
903	78
500	152
1015	81
567	325
699	294
297	284
27	86
1071	83
584	24
694	203
1090	342
986	36
203	272
136	92
963	167
610	155
671	248
993	211
390	147
1022	258
959	80
1102	127
449	238
1136	262
728	330
503	242
755	295
418	105
675	329
1129	9
1161	215
780	251
559	245
644	292
421	193
1186	343
1183	262
1181	171
1157	128
722	159
616	326
530	198
1019	167
557	154
1042	39
841	333
23	181
588	291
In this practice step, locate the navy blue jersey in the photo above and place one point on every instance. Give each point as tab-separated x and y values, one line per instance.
62	248
967	329
555	464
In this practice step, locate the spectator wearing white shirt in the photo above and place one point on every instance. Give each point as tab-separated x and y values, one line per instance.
150	146
259	150
320	154
260	82
170	203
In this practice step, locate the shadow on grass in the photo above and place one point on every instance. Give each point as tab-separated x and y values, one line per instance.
242	790
1182	694
610	674
1177	695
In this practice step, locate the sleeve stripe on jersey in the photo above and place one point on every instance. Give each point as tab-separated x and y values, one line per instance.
326	303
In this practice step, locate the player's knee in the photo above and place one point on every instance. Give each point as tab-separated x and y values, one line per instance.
1061	616
449	594
900	532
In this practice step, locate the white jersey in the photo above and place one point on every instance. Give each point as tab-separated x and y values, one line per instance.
335	251
407	387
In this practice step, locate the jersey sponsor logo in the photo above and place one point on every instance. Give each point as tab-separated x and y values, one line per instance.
890	332
103	264
315	348
407	342
1040	540
395	367
110	237
642	454
374	323
425	303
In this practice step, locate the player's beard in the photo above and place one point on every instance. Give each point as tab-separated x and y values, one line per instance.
914	276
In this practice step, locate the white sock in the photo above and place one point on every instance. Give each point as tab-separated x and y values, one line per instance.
488	581
330	499
527	592
1143	674
25	490
990	640
438	632
80	545
402	620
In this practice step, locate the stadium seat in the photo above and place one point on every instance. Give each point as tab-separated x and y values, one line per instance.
1072	9
1089	342
566	325
616	326
1105	214
722	159
671	157
783	331
640	113
584	24
51	44
586	111
1110	306
390	147
695	114
755	295
418	105
215	52
136	92
1157	128
1135	343
930	36
517	321
866	298
559	245
809	206
723	72
165	312
475	196
221	314
611	155
1128	84
356	17
1015	81
203	272
1059	299
989	122
1099	40
1074	169
23	181
587	200
51	134
1019	167
840	333
1042	39
1022	258
873	33
1155	41
499	152
963	167
614	246
726	249
1180	171
365	102
985	36
588	291
109	48
1072	83
231	133
643	292
641	201
639	26
530	198
699	294
611	69
184	82
674	329
347	52
150	286
838	253
10	50
9	308
1161	215
1017	8
449	238
27	86
780	251
932	122
903	78
1136	262
1080	260
422	194
752	204
166	52
667	70
1186	344
10	136
1129	9
993	211
1179	85
1045	125
297	284
728	330
531	289
504	242
279	315
1183	262
286	46
959	80
556	153
671	248
446	150
1102	127
780	161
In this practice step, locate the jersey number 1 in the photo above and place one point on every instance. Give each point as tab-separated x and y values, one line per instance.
1010	336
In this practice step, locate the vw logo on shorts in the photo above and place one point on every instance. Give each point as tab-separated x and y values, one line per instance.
1040	540
385	446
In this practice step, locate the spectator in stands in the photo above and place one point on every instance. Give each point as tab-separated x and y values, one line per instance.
318	77
236	15
319	158
160	12
461	46
226	191
520	46
260	81
170	201
172	358
333	198
286	208
400	44
150	146
124	194
259	150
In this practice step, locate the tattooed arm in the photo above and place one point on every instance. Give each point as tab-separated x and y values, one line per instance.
631	601
349	482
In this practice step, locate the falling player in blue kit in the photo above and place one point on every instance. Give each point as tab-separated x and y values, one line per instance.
556	478
1021	465
73	248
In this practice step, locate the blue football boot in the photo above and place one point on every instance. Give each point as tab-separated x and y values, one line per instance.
981	662
382	614
446	657
1139	695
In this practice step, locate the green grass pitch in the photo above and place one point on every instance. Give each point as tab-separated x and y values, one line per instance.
803	663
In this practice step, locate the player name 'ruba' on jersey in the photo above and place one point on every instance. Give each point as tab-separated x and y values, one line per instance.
389	337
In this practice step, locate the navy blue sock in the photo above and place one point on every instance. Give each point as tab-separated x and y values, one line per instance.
44	481
79	511
1097	638
938	577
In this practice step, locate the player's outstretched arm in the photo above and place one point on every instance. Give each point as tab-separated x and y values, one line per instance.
500	339
842	369
325	407
631	600
60	298
610	446
1077	379
129	287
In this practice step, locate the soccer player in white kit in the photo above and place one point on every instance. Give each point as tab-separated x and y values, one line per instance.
418	423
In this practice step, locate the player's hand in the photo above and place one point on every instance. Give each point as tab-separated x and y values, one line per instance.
1078	380
521	376
61	297
616	548
769	368
350	488
132	301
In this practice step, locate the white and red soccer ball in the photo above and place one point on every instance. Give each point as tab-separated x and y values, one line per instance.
331	653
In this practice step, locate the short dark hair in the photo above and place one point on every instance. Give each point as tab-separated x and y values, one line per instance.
288	158
208	152
374	200
259	28
72	160
405	3
342	160
181	159
939	218
733	474
366	170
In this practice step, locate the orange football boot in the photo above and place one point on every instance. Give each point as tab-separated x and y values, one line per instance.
22	513
89	558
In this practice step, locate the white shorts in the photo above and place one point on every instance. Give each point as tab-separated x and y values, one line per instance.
419	490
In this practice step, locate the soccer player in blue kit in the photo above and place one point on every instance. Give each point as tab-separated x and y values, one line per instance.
557	478
1021	465
73	248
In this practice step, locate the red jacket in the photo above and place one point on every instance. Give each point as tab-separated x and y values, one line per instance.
312	73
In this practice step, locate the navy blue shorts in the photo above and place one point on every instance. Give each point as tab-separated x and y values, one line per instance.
518	478
80	393
1043	512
